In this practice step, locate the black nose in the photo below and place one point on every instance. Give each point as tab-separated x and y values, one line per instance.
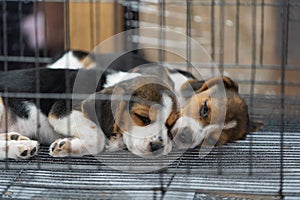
156	146
185	135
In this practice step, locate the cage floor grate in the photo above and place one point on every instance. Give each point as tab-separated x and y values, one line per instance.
250	167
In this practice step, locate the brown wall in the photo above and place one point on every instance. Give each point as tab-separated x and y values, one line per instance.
205	35
91	23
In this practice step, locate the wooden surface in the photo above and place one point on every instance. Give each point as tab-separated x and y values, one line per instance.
91	23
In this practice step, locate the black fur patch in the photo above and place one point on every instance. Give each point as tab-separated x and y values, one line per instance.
51	81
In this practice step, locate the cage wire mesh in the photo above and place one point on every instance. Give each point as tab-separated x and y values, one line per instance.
253	41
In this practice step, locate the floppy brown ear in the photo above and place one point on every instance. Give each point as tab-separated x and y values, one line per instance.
192	84
119	121
88	108
228	83
189	88
255	125
118	107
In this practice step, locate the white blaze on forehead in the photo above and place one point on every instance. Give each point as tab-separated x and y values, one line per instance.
113	79
178	80
163	112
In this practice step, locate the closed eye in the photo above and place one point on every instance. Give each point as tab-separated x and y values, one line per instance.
145	120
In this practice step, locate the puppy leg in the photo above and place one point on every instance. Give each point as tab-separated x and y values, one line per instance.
83	136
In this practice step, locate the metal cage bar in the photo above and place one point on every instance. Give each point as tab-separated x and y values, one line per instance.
263	165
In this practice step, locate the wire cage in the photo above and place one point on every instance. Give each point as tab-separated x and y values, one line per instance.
253	41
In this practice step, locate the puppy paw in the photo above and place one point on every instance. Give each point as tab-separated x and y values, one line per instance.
22	149
13	136
74	147
61	148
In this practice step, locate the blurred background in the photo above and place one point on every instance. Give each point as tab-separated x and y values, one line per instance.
243	37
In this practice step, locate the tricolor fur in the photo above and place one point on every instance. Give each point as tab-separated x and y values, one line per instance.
141	110
196	126
72	131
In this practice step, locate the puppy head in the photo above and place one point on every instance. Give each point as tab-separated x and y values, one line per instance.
142	111
199	116
145	117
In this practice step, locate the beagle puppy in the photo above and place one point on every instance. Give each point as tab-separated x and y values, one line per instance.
140	111
40	112
198	122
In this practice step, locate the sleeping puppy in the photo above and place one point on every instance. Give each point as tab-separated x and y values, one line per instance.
196	118
201	104
74	131
151	85
140	111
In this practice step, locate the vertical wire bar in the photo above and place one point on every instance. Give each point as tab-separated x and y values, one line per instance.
20	15
222	36
116	16
237	32
212	25
92	41
135	22
221	65
253	77
37	74
262	35
45	48
188	45
36	33
161	57
162	23
154	195
97	21
5	54
128	24
189	35
284	61
4	32
98	34
67	75
67	24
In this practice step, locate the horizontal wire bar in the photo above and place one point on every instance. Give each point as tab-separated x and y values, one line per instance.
25	59
63	96
178	2
237	66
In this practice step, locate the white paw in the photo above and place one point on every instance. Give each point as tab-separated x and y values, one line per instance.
23	149
61	148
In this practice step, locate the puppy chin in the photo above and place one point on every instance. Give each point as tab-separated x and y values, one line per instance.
141	147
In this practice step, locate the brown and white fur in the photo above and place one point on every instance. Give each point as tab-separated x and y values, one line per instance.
74	132
140	111
196	125
143	123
